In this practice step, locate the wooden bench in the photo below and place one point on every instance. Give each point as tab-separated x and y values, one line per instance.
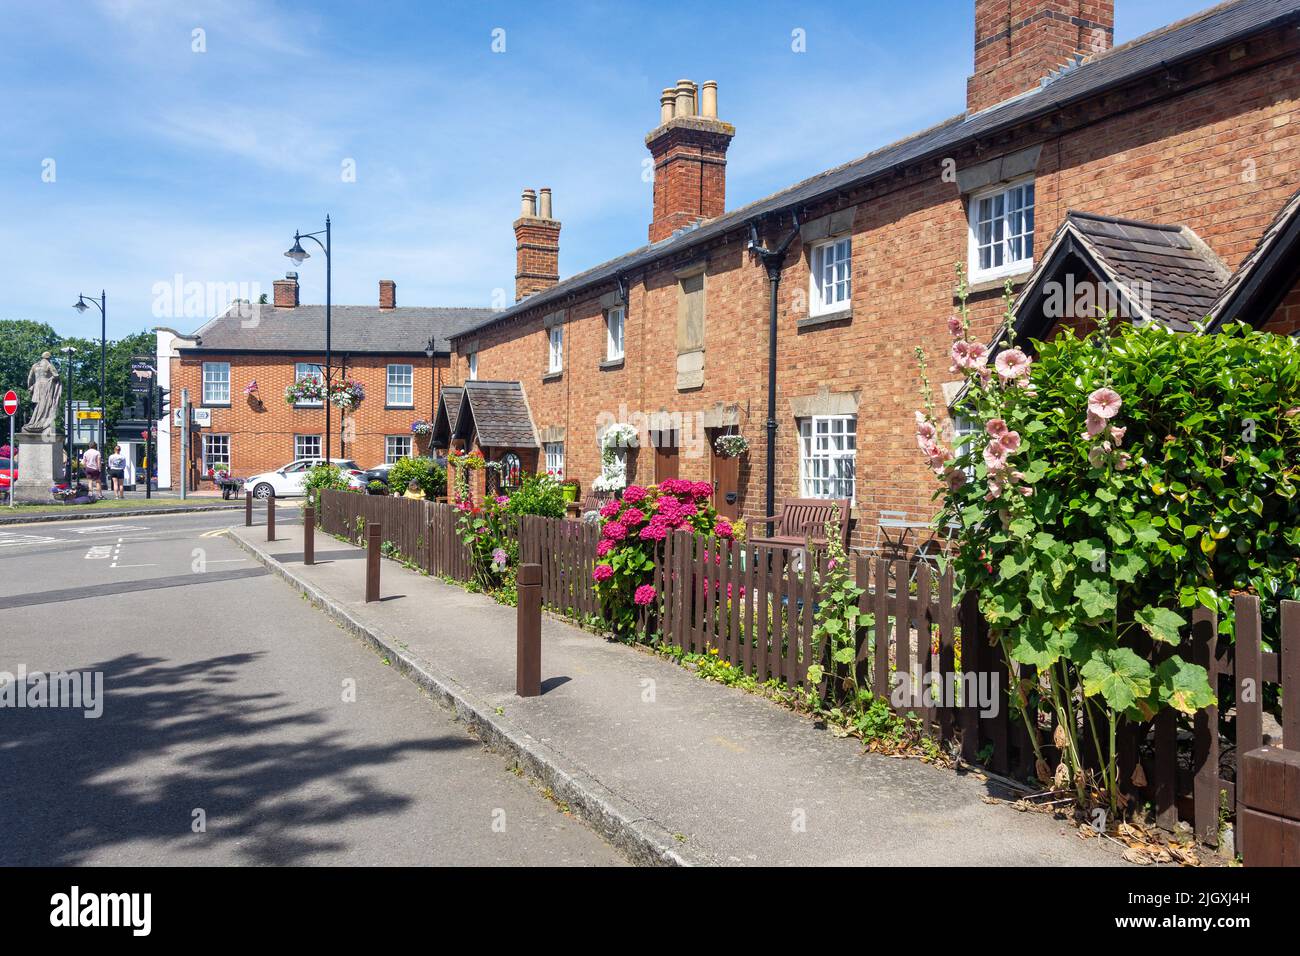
802	521
593	501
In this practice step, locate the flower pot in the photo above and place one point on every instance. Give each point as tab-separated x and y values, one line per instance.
569	492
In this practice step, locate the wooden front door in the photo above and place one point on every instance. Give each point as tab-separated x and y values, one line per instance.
666	459
725	474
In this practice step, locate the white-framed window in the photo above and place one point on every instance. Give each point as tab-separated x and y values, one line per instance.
401	390
306	446
614	334
216	450
555	349
828	455
831	280
216	383
555	458
1002	231
963	428
396	447
472	361
303	370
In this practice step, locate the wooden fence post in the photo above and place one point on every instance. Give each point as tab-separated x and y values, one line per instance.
528	631
309	533
248	509
1268	807
374	545
270	517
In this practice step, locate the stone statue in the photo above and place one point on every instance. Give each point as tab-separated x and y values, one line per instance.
46	389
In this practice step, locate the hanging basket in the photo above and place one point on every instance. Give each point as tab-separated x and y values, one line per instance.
731	446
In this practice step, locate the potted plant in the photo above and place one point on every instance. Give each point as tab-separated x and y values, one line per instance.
305	390
731	446
376	488
347	394
570	488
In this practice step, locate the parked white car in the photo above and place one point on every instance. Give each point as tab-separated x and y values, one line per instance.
288	482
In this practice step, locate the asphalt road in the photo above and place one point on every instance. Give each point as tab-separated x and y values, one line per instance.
226	737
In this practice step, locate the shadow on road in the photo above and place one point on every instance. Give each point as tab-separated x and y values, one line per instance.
263	768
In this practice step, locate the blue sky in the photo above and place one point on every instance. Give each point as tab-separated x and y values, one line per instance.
168	161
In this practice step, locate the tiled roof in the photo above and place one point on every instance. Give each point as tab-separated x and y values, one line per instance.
353	328
444	420
497	413
1266	274
1218	26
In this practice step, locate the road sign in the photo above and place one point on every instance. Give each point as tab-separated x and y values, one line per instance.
198	416
11	402
89	413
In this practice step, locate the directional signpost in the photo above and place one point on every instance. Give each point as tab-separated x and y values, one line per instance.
144	381
11	409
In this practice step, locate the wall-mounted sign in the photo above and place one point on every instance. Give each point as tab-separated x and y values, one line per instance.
198	416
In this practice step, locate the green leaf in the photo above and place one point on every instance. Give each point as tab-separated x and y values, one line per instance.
1118	675
1126	566
1161	623
1184	686
1096	597
844	655
1013	564
815	673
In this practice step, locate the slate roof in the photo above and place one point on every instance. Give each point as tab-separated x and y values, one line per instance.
1164	48
1266	275
497	414
353	328
1164	273
444	420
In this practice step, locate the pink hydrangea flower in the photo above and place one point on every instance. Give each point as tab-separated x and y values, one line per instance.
1105	403
610	508
633	493
632	516
604	547
702	489
722	528
644	595
1012	363
655	531
614	531
602	572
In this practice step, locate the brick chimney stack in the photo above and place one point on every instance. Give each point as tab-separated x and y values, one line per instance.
286	291
689	147
1018	42
387	294
537	245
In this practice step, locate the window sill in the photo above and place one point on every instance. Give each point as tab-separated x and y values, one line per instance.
214	405
399	408
553	376
995	282
827	318
609	364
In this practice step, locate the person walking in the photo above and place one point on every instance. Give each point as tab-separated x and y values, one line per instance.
117	470
92	464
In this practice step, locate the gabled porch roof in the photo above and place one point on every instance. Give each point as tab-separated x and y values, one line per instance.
496	415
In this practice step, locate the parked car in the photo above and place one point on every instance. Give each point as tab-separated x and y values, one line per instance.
289	481
8	473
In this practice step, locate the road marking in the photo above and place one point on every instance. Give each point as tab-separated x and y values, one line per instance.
9	538
109	529
135	565
99	552
214	533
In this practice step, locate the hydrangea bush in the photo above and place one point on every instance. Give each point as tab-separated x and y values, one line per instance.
631	529
1108	487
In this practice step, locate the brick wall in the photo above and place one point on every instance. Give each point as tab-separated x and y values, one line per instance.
1286	319
262	433
1214	148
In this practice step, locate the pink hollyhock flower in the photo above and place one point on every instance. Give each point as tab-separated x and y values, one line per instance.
1095	424
633	493
955	325
1012	363
977	356
1027	491
610	508
632	516
1010	442
995	456
1096	456
1122	462
961	354
722	528
955	478
996	428
501	499
1105	403
604	547
1118	434
614	530
644	595
602	572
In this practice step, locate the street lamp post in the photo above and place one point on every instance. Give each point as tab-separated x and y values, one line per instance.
68	351
297	253
81	305
430	351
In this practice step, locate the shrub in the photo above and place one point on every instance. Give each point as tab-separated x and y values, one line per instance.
1113	484
537	495
323	477
425	472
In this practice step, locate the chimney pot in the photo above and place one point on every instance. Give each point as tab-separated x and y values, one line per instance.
709	99
537	246
387	294
666	99
528	205
544	204
685	100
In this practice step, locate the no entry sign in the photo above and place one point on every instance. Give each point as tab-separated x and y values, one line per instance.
11	402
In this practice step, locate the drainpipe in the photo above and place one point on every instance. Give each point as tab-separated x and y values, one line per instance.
772	259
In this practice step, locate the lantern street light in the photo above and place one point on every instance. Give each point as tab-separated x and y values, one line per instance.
298	254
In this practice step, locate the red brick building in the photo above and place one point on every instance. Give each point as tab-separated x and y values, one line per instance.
236	367
1175	151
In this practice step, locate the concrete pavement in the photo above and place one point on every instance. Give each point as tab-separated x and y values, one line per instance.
661	761
238	726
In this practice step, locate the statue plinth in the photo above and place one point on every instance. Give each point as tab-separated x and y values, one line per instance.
37	455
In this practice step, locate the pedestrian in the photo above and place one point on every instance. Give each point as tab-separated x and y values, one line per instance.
91	464
413	490
117	470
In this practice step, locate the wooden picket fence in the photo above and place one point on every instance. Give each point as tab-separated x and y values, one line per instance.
755	606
